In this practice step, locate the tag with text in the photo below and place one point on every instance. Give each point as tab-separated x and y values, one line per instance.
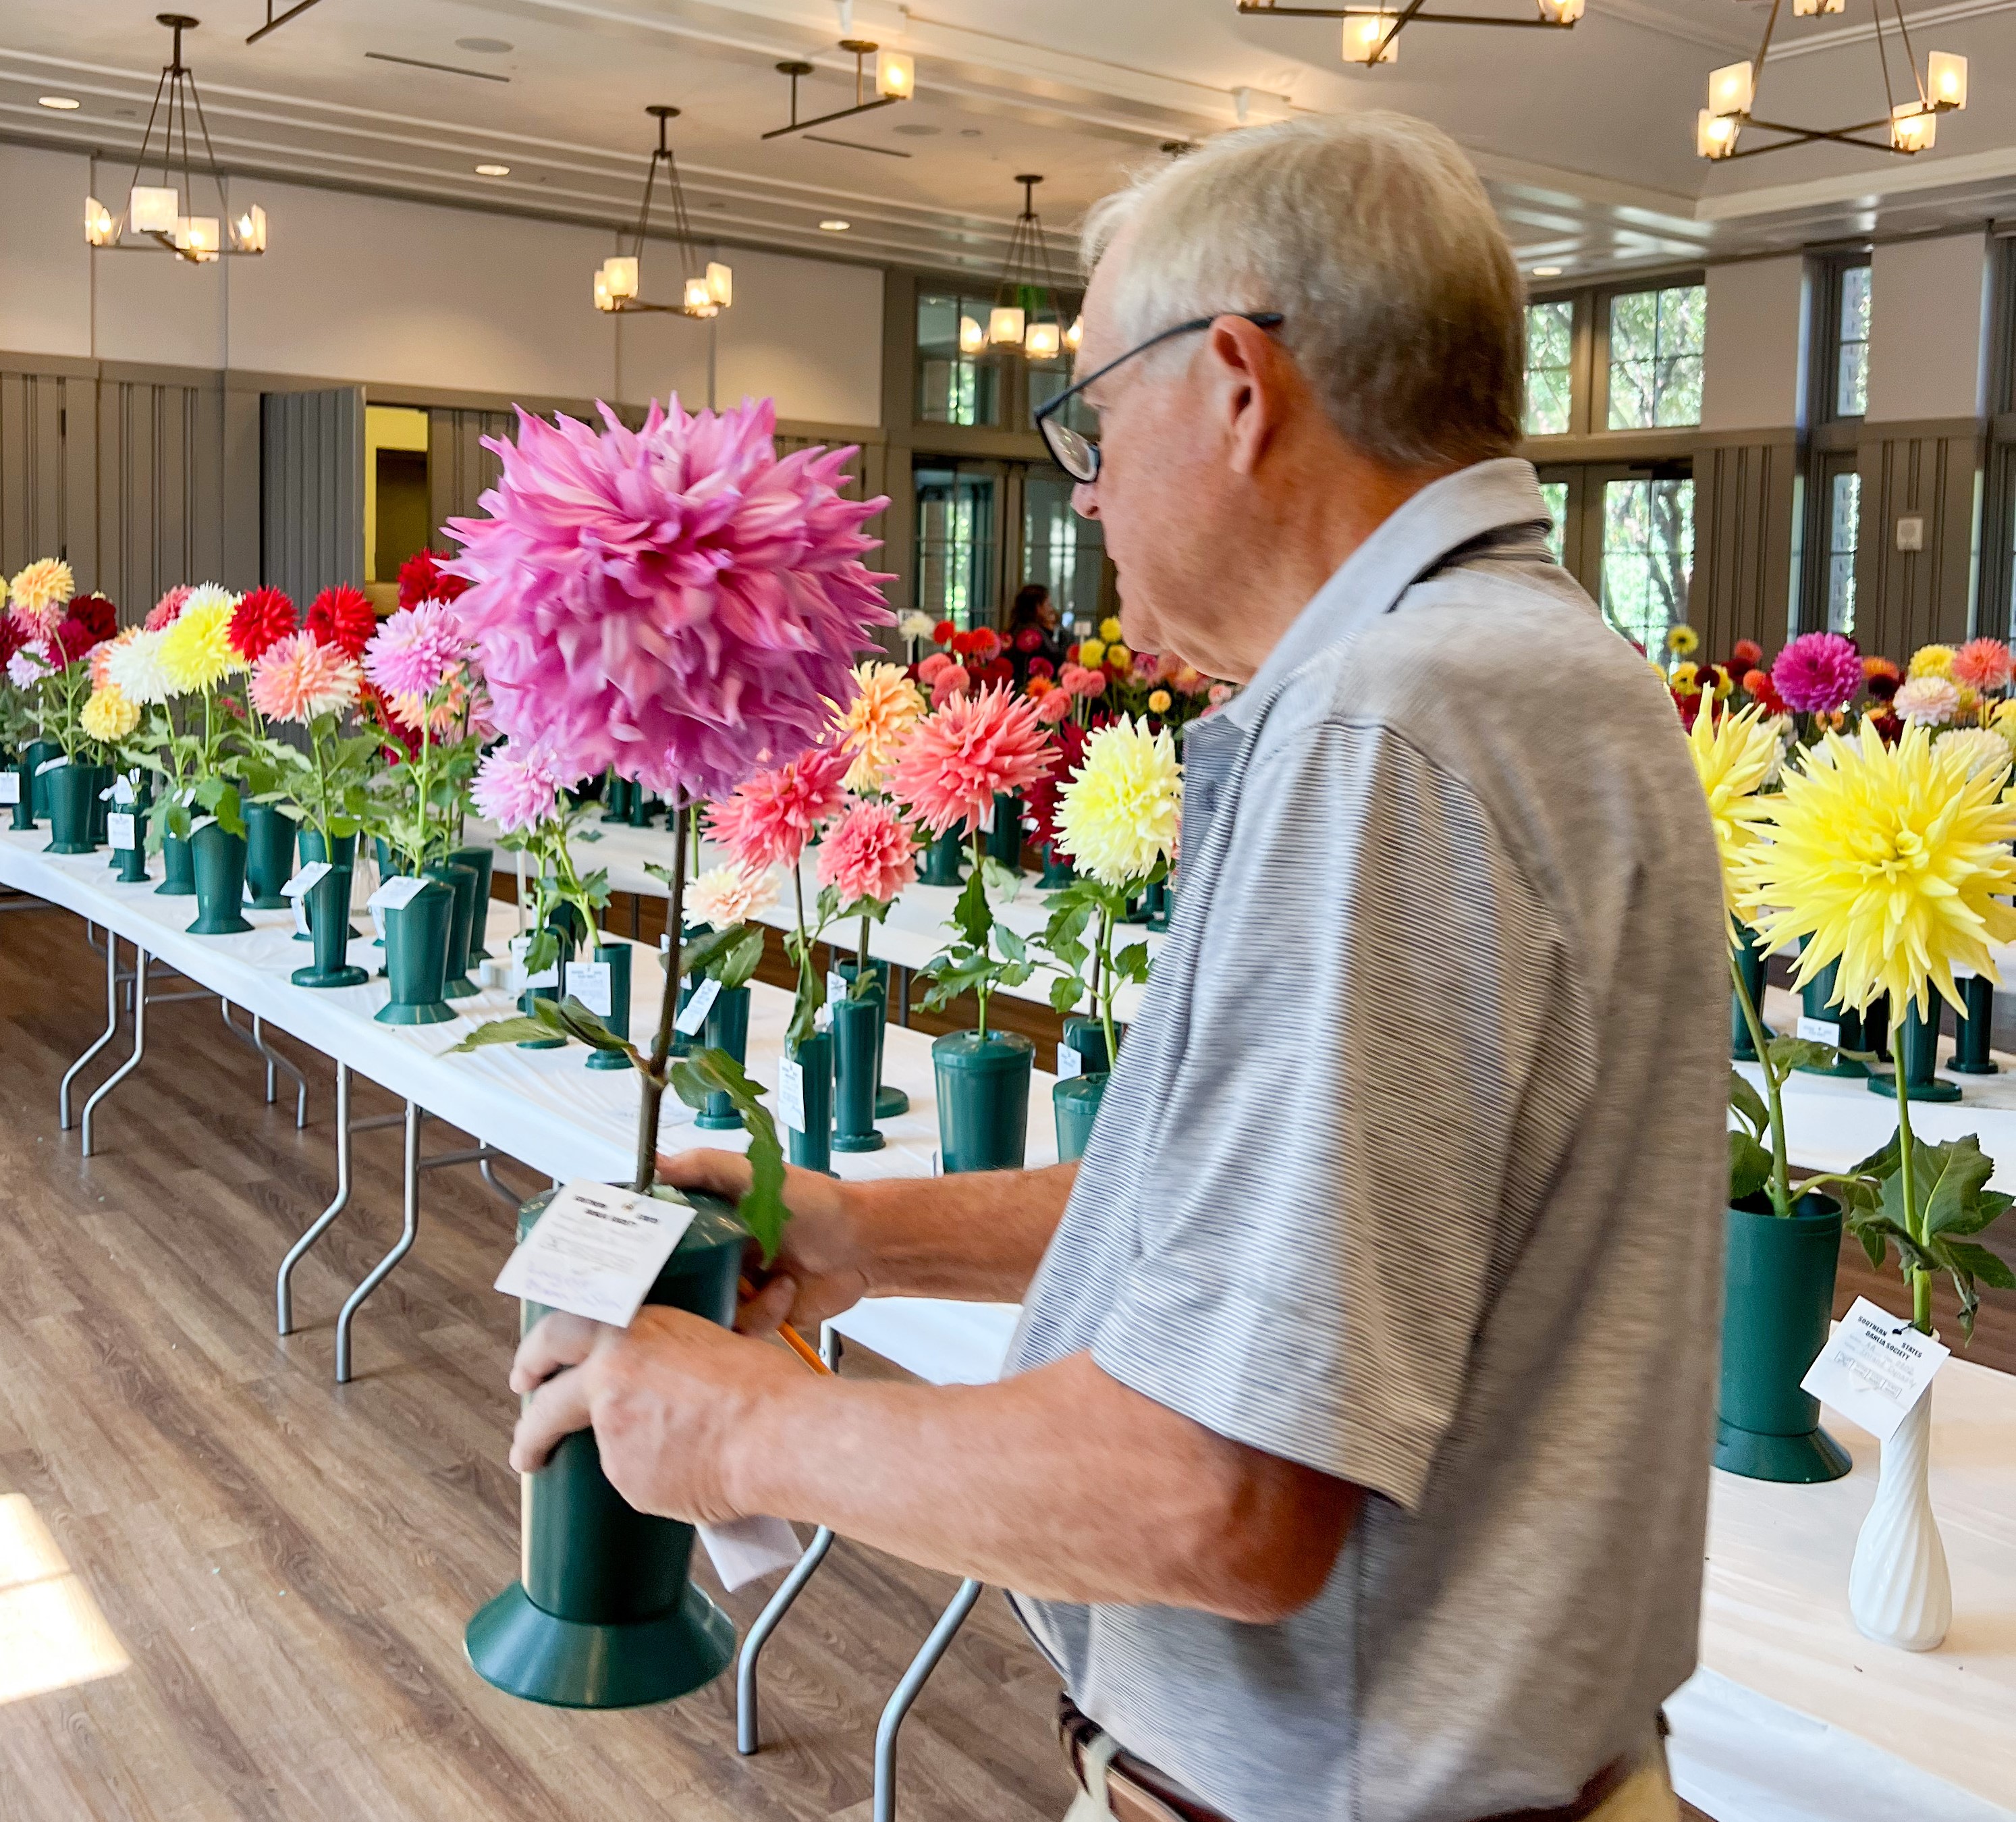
1069	1063
122	830
10	786
1818	1031
1874	1368
791	1092
837	986
398	892
589	982
693	1014
545	977
310	876
595	1251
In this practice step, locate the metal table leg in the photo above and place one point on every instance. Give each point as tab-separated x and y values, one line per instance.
106	1037
274	1057
132	1062
907	1692
404	1245
282	1287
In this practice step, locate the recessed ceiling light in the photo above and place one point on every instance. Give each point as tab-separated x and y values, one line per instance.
493	171
919	130
834	226
62	103
484	46
1547	271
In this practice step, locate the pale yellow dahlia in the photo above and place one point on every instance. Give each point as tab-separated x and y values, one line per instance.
40	588
109	715
1931	661
1121	813
1978	748
196	652
1733	756
885	707
1890	860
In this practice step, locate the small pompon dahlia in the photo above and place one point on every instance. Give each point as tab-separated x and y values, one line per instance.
1121	813
1932	660
300	678
416	652
768	819
517	788
871	856
1928	701
965	752
262	618
343	617
1818	673
133	663
886	706
38	595
28	665
725	896
108	715
165	612
674	602
1982	664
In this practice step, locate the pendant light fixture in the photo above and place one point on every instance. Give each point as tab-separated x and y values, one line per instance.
704	290
895	80
160	216
1026	313
1372	33
1906	126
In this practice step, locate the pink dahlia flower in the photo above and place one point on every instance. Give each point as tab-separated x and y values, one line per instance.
298	679
517	789
674	602
416	651
957	758
932	666
1818	673
954	680
769	818
1982	664
726	896
871	855
1930	701
1052	706
166	612
30	664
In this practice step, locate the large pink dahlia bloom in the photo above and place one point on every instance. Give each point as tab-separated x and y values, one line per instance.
1818	673
674	602
299	679
767	821
516	788
872	854
960	755
416	651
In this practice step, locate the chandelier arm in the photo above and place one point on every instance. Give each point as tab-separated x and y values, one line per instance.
146	139
644	212
682	223
210	152
1412	7
1910	55
1764	49
1253	7
1883	55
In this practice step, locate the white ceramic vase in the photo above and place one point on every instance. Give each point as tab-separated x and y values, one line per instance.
1898	1592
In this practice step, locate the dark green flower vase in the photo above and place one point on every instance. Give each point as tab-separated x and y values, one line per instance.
1814	997
890	1102
24	806
177	869
1921	1061
812	1148
101	807
133	861
983	1090
1058	871
1004	840
313	849
328	907
727	1028
71	789
939	865
604	1616
1159	904
220	881
857	1056
563	928
1973	1034
1777	1299
416	940
617	1018
39	753
1750	964
269	855
616	800
1087	1036
479	861
460	881
1074	1104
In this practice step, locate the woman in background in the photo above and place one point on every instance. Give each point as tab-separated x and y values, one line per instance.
1034	630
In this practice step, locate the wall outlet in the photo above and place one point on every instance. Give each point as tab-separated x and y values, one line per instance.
1911	532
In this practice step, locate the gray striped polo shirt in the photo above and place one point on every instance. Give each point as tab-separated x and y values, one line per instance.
1412	1172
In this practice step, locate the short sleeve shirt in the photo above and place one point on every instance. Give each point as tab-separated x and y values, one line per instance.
1411	1173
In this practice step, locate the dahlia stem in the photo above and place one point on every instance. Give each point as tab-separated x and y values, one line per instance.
1921	1281
1781	1180
980	873
653	1086
1106	997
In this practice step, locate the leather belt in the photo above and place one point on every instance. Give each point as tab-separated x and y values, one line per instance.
1138	1792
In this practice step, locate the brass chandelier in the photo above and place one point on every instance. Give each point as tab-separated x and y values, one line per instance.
618	280
1026	312
1372	33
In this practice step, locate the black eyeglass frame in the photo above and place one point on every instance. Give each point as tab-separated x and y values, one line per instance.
1054	433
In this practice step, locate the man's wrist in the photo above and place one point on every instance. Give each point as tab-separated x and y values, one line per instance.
758	1456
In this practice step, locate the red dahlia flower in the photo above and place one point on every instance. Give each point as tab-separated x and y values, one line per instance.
262	619
343	618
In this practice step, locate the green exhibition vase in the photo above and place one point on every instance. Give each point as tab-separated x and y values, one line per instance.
1058	871
618	955
23	766
101	806
314	848
461	882
727	1028
1074	1103
940	864
177	868
604	1615
220	881
328	907
1779	1279
1750	964
269	855
72	789
1973	1034
480	861
1814	996
810	1147
1921	1061
890	1102
616	800
134	806
563	928
416	940
40	754
857	1046
983	1091
1086	1038
1004	840
643	806
133	860
1158	904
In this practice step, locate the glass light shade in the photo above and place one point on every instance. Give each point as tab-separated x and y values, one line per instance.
1075	334
619	273
1561	11
720	283
200	236
1043	340
1715	134
895	76
699	299
99	228
1810	8
1366	41
153	210
1004	324
1912	128
1946	80
248	230
972	337
603	300
1730	89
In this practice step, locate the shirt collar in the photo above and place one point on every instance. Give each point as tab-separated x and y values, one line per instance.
1444	515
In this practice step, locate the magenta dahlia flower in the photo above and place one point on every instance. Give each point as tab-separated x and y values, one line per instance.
768	819
872	855
960	756
517	788
674	602
1818	673
416	651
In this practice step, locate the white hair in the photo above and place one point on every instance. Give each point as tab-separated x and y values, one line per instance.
1372	235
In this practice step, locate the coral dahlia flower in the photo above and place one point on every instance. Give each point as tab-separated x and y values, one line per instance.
964	754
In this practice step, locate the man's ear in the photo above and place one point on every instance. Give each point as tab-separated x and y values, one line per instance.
1252	379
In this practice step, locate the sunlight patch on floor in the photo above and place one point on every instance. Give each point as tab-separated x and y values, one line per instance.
51	1634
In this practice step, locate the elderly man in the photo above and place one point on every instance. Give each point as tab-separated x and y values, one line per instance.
1352	1459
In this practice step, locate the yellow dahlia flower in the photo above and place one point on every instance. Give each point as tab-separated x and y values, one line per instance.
109	715
1109	629
196	652
1734	755
1091	653
1931	661
1158	702
1121	811
886	706
1890	859
44	585
1682	640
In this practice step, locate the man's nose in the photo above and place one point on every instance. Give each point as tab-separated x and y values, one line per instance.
1084	499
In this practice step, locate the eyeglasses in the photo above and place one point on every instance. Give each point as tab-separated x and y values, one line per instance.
1078	455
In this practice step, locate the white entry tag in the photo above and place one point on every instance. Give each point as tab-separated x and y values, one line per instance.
122	830
747	1548
791	1092
1818	1031
694	1014
837	987
60	761
311	875
595	1251
122	790
10	786
589	982
398	892
823	1018
545	977
1070	1062
1875	1367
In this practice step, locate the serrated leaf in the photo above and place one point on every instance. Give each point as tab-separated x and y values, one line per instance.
762	1211
575	1020
1749	1166
1010	945
1883	1163
972	915
1065	993
1787	1054
518	1029
1978	1262
741	961
1748	1104
1132	962
1953	1175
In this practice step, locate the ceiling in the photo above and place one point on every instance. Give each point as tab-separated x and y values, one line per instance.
1585	138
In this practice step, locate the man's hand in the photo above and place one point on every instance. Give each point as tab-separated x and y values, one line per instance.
667	1397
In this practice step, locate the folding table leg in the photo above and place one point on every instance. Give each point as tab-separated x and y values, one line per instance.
282	1287
132	1062
106	1037
273	1057
404	1245
907	1692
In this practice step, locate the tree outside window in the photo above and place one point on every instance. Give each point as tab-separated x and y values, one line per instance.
1549	344
1656	344
1555	495
1648	557
1844	524
1851	362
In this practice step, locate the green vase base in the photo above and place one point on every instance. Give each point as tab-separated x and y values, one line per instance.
435	1012
1886	1085
478	954
719	1122
890	1102
539	1657
173	889
335	977
128	876
607	1060
1845	1070
461	988
71	847
542	1044
275	903
1797	1460
233	926
1960	1068
862	1142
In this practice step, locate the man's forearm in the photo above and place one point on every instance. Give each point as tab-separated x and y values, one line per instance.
979	1236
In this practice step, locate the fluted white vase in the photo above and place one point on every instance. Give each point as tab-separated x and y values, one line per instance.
1898	1591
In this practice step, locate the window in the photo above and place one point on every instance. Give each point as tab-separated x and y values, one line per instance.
958	381
1065	553
1656	338
1549	346
1046	379
1648	557
1851	372
1844	511
1555	494
955	542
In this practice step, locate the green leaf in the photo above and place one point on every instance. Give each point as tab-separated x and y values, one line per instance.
1010	945
516	1030
1749	1166
762	1211
1978	1262
698	956
575	1020
741	961
972	914
1748	1104
1066	991
542	952
1884	1163
1787	1054
1132	962
1955	1174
